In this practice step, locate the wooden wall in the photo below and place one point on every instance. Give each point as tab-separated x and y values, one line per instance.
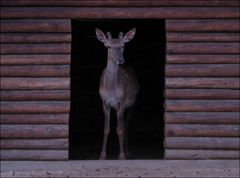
202	70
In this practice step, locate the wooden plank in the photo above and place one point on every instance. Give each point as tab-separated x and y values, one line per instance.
36	71
35	59
33	48
225	143
202	117
202	105
36	25
122	3
20	83
201	130
44	155
34	131
208	25
206	82
202	94
35	37
202	58
202	70
35	107
118	12
49	144
201	154
35	95
34	118
203	37
205	48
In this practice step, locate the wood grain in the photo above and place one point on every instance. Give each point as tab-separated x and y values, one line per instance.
36	71
34	119
35	59
21	83
31	107
201	130
36	25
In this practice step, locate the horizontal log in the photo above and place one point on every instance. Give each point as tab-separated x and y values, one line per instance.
18	107
122	3
20	83
208	25
201	130
188	82
118	12
47	144
202	70
34	131
201	154
202	58
37	155
34	118
36	25
203	37
202	94
35	95
35	59
35	37
215	48
225	143
202	117
35	71
33	48
202	105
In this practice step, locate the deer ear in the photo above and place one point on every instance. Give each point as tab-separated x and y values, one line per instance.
129	35
100	35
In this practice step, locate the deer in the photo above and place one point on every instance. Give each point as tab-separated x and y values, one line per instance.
118	87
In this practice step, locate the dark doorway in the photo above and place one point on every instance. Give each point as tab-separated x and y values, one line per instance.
146	54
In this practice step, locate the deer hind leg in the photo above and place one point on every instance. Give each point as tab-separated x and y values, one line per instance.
106	110
121	132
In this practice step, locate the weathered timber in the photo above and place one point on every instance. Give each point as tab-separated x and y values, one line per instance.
203	37
201	154
35	71
202	94
202	117
208	25
43	155
35	37
35	107
206	82
201	130
28	59
34	95
20	83
202	70
202	105
47	144
118	12
36	25
34	131
122	3
59	48
225	143
215	48
34	118
203	58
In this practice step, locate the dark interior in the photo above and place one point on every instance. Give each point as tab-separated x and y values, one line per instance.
146	55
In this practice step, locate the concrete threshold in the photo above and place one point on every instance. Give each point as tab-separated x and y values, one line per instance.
116	168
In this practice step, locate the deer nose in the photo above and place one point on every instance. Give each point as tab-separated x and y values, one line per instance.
121	61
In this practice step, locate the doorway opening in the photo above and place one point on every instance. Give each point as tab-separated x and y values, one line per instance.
146	55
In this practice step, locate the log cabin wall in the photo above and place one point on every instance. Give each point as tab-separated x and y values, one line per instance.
202	70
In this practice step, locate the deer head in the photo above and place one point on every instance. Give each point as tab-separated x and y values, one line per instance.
115	46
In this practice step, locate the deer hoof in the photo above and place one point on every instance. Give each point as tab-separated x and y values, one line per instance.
122	156
102	156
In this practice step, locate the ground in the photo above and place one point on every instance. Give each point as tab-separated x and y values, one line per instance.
114	168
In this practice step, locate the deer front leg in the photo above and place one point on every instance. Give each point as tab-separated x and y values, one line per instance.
120	132
106	131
